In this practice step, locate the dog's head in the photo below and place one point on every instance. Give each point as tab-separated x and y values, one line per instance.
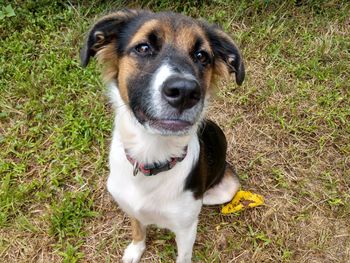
163	64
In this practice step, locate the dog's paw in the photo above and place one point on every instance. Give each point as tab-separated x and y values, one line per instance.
133	252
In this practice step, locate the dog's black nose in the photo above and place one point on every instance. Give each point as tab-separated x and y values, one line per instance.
181	93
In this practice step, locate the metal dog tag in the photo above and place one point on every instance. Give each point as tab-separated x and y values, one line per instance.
135	169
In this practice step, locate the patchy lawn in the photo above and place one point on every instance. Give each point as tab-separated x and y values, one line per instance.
288	129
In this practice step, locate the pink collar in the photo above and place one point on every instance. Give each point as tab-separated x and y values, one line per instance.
154	168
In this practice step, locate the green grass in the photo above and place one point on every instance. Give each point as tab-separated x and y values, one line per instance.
288	128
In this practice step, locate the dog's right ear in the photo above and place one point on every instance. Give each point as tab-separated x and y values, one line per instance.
105	31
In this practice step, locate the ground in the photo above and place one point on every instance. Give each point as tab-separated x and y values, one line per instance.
288	129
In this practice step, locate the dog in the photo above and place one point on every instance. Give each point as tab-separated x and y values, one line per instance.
166	159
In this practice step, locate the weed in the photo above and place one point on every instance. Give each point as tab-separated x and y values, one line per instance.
6	11
67	218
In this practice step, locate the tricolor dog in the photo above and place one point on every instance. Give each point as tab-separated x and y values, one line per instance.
166	159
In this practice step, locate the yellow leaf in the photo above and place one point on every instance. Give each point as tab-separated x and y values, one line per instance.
243	199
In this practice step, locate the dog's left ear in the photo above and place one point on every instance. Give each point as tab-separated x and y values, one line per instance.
227	57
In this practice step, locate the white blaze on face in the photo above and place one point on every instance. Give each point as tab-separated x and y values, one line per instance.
161	75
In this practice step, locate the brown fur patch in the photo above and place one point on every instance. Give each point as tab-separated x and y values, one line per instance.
186	37
127	67
220	70
138	232
108	58
152	25
208	77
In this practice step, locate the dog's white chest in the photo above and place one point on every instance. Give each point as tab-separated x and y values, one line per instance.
158	199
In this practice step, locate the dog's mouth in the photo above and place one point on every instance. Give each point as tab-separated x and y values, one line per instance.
167	125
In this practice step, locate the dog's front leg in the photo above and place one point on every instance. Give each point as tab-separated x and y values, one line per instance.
185	238
135	249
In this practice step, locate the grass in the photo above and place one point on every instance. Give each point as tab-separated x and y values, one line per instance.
288	129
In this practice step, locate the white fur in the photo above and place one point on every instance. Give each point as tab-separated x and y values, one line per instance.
160	76
185	238
222	192
134	252
159	199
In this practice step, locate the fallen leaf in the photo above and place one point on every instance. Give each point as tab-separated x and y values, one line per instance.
243	199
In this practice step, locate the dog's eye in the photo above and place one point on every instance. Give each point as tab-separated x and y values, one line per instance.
202	57
143	49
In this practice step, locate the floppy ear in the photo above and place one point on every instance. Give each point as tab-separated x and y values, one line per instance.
227	57
104	32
